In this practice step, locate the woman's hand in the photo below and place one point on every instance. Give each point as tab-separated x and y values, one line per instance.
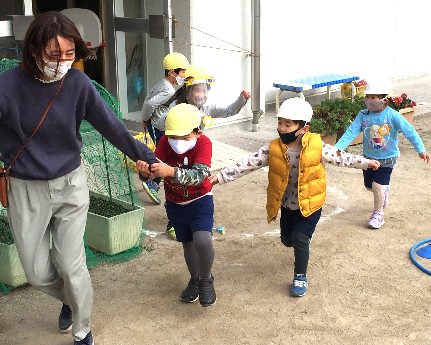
144	168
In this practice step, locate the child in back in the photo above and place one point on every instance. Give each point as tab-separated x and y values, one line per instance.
185	160
380	125
297	180
156	105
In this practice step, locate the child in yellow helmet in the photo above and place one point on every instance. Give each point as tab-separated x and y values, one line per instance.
195	91
297	182
154	109
185	160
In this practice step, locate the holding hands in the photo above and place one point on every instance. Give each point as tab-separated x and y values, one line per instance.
213	179
373	164
155	170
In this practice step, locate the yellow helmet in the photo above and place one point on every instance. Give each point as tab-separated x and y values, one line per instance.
197	75
175	60
182	119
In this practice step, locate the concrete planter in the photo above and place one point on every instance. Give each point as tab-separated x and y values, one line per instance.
115	234
11	271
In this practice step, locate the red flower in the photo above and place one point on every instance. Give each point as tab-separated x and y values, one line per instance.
402	101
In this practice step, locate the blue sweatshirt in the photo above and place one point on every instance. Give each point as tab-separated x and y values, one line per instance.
380	133
55	149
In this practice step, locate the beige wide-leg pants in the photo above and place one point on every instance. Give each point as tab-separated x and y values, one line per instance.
57	209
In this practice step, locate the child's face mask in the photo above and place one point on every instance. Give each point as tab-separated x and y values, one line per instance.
289	137
182	146
180	80
373	105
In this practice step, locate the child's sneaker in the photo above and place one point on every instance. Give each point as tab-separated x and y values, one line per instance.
207	294
191	292
88	340
152	189
376	220
170	231
65	319
299	287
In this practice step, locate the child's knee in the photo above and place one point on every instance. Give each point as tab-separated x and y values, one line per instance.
286	240
300	240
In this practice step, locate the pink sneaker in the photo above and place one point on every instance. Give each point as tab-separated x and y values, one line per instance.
376	220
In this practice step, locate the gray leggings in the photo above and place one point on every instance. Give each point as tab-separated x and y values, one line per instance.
199	254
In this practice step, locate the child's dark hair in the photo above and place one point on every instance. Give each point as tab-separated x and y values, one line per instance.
196	130
180	95
176	70
301	123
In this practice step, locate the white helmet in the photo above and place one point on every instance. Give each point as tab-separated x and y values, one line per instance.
379	87
296	109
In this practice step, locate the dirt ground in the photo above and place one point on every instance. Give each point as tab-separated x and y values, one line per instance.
363	287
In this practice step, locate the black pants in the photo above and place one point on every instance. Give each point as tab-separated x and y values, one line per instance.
296	231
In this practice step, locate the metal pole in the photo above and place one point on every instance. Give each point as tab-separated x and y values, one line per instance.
255	65
28	7
167	12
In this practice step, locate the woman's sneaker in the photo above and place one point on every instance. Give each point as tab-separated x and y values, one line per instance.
299	287
152	189
191	292
65	319
376	220
88	340
207	294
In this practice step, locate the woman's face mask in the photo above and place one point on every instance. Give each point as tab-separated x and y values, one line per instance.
182	146
54	71
374	105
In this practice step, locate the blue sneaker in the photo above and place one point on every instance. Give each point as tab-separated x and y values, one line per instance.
299	287
65	319
88	340
152	189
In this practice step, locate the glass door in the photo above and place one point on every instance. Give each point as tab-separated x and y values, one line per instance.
131	50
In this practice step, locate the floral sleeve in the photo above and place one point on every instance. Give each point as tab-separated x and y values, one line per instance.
193	176
337	157
244	166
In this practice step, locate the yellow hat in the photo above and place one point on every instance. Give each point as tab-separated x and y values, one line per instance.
197	75
175	60
182	119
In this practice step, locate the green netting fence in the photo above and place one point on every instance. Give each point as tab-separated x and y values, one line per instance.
114	189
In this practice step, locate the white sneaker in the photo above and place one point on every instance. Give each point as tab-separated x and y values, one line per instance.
376	220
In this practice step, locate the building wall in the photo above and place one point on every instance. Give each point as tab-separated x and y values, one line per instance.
298	39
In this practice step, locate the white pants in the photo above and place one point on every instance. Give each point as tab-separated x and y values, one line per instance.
57	209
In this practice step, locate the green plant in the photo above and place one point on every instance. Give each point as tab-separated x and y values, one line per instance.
333	116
